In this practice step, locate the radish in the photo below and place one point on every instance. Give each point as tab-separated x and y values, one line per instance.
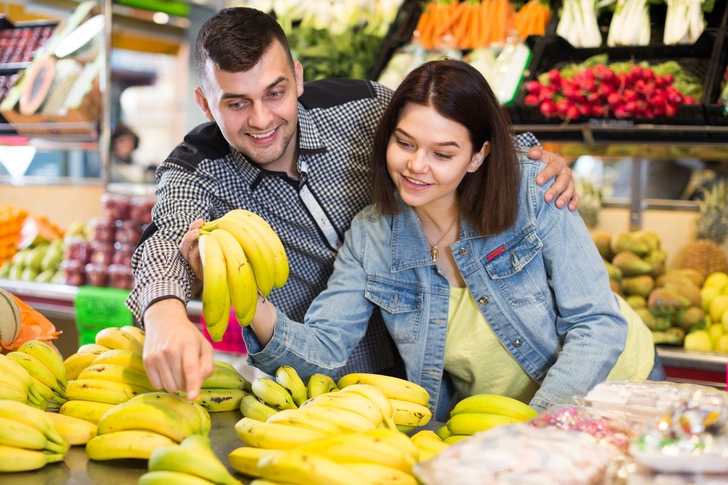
614	100
531	100
598	111
648	74
669	79
689	100
621	112
629	95
572	113
670	111
548	108
534	87
554	77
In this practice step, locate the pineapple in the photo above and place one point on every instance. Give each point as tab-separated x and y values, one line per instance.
705	254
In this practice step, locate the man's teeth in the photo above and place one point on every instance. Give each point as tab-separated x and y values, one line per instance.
416	182
263	135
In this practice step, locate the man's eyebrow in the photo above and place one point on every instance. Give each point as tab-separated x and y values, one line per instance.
442	144
268	88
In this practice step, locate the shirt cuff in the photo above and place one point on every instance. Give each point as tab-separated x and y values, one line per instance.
157	291
264	357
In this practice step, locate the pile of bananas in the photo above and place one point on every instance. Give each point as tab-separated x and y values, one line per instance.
105	374
224	390
192	462
240	255
482	412
146	423
28	438
47	384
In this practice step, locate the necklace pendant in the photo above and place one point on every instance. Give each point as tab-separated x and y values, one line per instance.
435	253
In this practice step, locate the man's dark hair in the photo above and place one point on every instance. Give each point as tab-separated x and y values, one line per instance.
457	91
235	39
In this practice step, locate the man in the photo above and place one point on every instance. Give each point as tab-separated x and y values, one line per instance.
299	159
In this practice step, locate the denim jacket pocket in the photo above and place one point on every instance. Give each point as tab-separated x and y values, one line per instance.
403	303
519	272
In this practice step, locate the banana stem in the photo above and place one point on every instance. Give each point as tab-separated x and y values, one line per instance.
204	232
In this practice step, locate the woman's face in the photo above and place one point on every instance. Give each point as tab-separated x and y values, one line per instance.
428	155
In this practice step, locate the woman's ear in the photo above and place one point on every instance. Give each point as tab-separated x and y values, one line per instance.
479	157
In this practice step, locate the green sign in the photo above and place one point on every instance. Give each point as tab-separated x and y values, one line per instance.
98	308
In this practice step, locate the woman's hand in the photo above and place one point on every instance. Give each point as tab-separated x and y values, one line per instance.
563	185
190	249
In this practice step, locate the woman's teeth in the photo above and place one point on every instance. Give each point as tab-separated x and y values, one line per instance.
416	182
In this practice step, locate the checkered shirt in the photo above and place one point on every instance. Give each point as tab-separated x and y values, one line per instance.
204	177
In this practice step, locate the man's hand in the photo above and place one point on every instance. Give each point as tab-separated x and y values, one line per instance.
563	185
176	354
190	249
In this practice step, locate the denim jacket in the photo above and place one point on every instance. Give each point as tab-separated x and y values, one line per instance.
541	285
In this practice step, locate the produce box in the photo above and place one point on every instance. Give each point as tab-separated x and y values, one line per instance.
695	60
19	42
714	112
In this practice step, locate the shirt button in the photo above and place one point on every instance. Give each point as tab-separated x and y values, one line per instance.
463	251
483	300
517	343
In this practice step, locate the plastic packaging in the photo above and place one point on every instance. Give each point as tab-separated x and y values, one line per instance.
140	210
115	206
96	274
77	249
73	272
128	232
122	254
102	230
120	276
101	253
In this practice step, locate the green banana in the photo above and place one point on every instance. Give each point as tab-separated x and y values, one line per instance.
443	432
392	387
291	382
320	384
194	458
252	408
494	404
138	444
224	379
471	423
168	477
49	357
273	394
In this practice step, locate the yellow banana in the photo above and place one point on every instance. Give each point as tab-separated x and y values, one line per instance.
256	251
102	391
11	368
13	393
397	439
245	459
166	478
320	384
34	418
392	387
217	329
117	373
240	277
12	379
252	408
378	398
135	332
21	435
406	413
92	349
291	382
215	286
360	448
77	362
48	357
347	421
380	474
178	404
218	400
19	460
294	417
125	358
454	438
471	423
194	458
272	435
350	402
138	444
36	369
46	392
443	432
148	416
75	431
221	364
302	468
205	421
87	410
263	481
116	339
494	404
429	442
273	394
224	379
280	260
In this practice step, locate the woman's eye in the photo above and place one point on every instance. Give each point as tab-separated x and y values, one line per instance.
444	156
403	144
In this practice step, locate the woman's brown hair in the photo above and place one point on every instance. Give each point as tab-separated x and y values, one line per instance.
488	197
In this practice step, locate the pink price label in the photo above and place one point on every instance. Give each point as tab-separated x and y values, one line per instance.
232	341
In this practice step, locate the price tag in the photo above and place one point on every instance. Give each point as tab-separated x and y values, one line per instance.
98	308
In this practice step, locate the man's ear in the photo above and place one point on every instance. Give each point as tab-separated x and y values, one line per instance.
479	157
298	72
202	103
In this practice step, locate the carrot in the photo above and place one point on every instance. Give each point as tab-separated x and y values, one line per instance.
475	27
455	15
485	25
462	27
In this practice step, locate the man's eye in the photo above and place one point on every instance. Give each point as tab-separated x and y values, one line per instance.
276	94
237	105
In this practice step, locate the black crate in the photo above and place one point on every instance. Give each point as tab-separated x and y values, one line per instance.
714	112
554	52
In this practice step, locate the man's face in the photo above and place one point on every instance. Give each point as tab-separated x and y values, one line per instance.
257	110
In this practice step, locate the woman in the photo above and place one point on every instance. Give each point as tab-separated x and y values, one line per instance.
482	285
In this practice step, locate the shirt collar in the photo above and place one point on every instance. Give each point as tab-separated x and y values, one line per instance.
310	141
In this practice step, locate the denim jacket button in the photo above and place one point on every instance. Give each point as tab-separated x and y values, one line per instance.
517	343
463	251
483	300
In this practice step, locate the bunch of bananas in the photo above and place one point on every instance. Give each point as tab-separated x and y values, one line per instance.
482	412
105	379
75	431
192	462
240	255
429	444
47	383
28	438
145	423
224	390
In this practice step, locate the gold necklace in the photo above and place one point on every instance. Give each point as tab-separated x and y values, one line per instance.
434	252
